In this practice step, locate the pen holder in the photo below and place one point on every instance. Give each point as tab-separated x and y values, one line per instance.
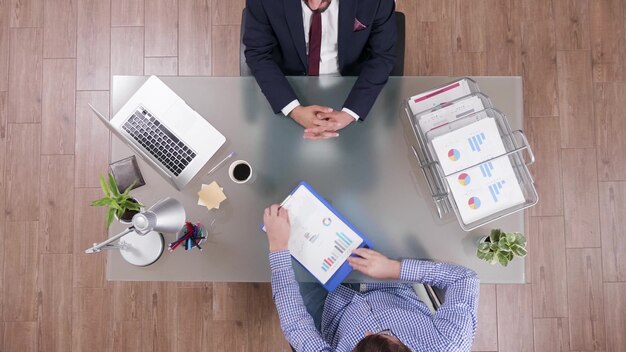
190	236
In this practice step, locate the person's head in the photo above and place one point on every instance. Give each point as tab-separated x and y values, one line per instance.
318	5
381	342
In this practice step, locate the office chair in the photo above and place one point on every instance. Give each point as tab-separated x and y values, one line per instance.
433	297
398	69
244	69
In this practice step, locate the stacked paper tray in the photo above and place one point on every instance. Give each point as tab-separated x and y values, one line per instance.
471	159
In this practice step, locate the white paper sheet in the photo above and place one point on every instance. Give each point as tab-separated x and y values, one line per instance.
319	240
444	115
486	188
468	145
435	97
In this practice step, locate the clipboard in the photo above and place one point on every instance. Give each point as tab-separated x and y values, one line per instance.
333	224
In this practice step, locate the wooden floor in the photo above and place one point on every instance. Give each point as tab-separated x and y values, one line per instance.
58	55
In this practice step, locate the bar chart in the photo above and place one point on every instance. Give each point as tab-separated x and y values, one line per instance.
341	244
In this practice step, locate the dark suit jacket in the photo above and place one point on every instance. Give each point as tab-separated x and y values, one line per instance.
275	47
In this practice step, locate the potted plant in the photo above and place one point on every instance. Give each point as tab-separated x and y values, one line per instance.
501	247
119	205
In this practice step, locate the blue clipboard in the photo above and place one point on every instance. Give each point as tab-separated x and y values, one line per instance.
345	269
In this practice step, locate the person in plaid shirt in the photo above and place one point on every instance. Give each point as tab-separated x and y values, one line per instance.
380	317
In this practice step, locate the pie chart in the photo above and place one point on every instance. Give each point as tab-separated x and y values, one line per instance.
454	154
464	179
474	202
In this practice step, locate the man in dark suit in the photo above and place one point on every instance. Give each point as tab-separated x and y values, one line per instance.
313	37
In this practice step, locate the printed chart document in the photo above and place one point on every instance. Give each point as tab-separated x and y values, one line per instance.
469	145
321	240
483	189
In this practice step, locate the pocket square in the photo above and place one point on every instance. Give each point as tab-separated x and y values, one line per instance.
358	26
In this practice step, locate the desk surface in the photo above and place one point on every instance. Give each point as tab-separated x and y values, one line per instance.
368	174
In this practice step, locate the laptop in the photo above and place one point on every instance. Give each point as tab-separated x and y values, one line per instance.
164	131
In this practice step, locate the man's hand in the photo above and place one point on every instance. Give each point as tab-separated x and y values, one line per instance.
374	264
309	116
336	120
277	227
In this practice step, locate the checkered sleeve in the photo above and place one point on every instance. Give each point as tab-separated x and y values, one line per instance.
456	318
296	323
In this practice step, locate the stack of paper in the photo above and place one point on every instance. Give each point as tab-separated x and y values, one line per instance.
434	98
450	112
459	129
211	196
489	186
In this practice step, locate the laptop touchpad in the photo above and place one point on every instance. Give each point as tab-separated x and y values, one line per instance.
180	119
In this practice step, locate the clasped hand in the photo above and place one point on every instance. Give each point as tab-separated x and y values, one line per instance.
320	122
367	261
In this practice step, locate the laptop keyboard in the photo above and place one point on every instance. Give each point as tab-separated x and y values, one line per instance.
159	141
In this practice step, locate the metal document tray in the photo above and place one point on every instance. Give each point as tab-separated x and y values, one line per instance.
515	143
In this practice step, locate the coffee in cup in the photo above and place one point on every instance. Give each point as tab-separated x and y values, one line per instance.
240	171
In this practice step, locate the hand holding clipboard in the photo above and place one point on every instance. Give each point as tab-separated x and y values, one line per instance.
320	239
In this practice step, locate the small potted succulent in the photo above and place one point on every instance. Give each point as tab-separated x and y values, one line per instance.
501	247
119	205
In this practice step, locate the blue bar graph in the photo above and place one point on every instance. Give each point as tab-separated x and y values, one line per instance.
341	245
494	189
486	168
344	238
476	141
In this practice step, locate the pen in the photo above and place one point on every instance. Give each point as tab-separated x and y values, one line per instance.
221	162
284	202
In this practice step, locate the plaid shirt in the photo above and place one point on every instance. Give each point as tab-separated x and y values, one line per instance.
348	315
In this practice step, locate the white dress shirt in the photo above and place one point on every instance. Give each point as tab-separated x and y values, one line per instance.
329	59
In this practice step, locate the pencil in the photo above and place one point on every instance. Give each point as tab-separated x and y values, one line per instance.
221	162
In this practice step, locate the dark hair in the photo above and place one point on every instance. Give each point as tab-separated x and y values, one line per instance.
380	343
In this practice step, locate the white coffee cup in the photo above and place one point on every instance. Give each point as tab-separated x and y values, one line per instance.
240	171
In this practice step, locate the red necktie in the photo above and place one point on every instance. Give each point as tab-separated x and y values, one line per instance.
315	44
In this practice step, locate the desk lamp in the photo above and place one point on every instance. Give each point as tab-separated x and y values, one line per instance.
142	243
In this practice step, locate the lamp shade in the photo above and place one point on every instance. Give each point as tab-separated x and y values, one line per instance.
167	215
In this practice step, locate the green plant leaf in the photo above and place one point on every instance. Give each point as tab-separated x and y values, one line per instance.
483	247
481	255
130	205
520	239
129	188
105	188
120	212
100	202
510	238
490	257
519	251
122	199
109	216
503	259
495	235
113	204
113	185
503	245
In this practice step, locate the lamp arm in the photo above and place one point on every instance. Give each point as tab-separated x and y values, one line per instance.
97	247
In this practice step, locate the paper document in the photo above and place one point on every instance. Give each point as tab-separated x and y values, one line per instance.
433	98
443	115
468	145
319	240
485	189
